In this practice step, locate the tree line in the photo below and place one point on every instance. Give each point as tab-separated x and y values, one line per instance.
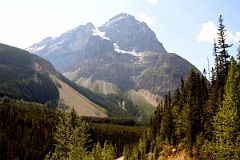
26	129
30	130
201	116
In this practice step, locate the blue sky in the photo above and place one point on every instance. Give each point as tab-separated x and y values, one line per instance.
185	27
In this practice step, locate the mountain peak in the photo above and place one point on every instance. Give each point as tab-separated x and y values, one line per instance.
131	35
122	34
89	24
120	18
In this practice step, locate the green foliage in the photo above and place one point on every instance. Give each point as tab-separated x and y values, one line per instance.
111	120
131	152
238	54
201	118
72	140
220	73
20	79
225	124
136	104
140	150
166	122
105	153
117	135
70	137
156	121
221	54
26	130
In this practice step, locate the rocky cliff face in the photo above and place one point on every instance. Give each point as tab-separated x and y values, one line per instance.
121	55
65	51
131	35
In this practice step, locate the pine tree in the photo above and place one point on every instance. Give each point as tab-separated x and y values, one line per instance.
226	129
156	119
238	55
108	152
216	61
63	130
212	80
204	72
238	96
177	96
99	153
78	140
222	58
192	106
167	118
219	77
70	137
189	123
142	148
175	114
126	152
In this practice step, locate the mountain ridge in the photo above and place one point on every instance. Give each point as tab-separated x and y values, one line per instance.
31	78
123	54
126	26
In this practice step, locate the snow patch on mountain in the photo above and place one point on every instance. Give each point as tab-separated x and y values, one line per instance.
133	52
97	32
35	49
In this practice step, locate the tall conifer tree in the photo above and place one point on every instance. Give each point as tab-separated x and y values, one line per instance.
225	124
219	78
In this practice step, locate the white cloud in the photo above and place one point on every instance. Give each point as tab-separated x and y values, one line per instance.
26	26
237	36
231	38
142	16
209	31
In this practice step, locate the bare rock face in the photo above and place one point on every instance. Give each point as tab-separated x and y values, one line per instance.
131	35
123	54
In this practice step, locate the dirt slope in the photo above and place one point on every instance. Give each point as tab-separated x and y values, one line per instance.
82	105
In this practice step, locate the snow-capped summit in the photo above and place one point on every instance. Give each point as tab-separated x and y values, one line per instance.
121	34
116	19
131	34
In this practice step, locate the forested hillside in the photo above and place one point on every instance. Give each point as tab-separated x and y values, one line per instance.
24	76
29	77
26	129
31	131
201	118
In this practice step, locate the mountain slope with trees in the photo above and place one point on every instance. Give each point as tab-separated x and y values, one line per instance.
31	78
200	118
25	76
